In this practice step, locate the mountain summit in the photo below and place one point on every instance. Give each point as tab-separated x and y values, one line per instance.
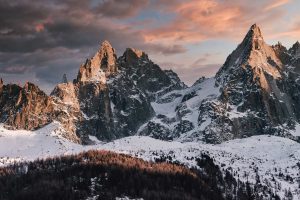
253	53
102	65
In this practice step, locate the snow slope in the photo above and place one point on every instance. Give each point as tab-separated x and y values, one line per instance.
18	145
178	111
271	158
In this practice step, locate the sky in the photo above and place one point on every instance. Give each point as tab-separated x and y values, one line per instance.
40	40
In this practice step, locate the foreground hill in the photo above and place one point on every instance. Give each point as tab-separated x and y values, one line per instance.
107	175
272	161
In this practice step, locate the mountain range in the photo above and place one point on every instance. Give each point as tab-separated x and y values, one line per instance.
236	134
256	91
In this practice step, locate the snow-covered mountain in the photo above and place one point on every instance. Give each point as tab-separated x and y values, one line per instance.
256	91
247	117
110	98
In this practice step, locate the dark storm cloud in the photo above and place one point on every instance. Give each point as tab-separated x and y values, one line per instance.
167	50
20	15
49	38
120	8
29	25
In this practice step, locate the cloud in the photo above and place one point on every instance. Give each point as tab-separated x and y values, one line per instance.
190	74
203	59
164	49
276	4
49	38
292	32
170	65
197	21
120	8
21	79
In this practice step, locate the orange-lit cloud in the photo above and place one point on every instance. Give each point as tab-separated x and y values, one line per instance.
177	31
276	4
210	19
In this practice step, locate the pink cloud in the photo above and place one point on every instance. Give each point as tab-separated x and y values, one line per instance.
276	4
197	21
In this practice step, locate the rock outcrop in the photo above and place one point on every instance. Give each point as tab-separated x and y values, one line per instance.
25	107
148	76
102	65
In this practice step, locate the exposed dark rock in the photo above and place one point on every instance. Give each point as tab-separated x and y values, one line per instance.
183	127
157	130
168	98
200	80
188	96
149	77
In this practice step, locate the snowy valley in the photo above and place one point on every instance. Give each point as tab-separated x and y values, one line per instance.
275	161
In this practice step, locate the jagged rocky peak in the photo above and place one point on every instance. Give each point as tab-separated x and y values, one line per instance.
280	50
31	87
25	107
254	33
66	92
295	49
105	58
254	81
262	57
252	54
132	56
279	47
175	78
282	53
102	65
253	40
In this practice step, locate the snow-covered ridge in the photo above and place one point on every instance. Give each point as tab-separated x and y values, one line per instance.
275	160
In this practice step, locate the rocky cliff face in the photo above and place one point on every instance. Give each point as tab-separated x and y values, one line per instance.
294	55
67	110
24	107
102	65
148	76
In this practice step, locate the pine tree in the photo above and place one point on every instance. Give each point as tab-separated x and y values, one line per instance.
64	79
